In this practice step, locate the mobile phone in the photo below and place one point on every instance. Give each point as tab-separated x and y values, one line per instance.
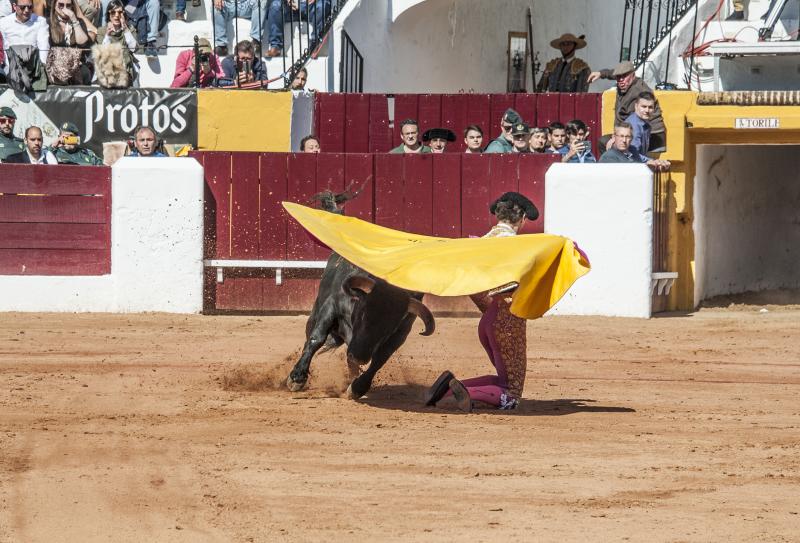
72	140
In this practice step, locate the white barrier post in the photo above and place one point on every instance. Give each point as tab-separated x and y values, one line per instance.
607	209
157	234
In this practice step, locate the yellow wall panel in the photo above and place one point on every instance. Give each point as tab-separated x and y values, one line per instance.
237	120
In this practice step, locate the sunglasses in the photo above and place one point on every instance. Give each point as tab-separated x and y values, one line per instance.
63	5
7	120
520	137
25	7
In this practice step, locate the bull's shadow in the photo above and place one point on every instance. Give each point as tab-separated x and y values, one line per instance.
410	398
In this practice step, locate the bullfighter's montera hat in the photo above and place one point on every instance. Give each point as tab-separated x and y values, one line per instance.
518	199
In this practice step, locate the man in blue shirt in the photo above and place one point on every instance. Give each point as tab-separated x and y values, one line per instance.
643	111
146	143
579	150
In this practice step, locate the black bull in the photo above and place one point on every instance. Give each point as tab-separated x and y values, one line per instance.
371	316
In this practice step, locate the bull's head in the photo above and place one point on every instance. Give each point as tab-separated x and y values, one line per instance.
378	312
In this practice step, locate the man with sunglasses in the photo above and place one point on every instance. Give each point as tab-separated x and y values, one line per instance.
505	141
25	28
9	145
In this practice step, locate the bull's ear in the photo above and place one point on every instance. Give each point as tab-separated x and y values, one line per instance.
358	283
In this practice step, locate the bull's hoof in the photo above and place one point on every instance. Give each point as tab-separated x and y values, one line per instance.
294	386
352	395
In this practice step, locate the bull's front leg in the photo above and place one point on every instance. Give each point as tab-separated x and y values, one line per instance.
298	378
362	384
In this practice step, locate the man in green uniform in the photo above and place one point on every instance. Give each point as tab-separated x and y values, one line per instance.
504	143
9	145
67	149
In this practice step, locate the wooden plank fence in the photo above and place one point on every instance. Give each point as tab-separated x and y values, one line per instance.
55	220
442	195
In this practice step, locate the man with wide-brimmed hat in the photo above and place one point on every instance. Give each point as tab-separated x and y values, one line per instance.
9	144
566	73
629	87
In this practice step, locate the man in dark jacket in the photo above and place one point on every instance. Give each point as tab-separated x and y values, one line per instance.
243	68
33	153
629	87
9	144
622	153
566	73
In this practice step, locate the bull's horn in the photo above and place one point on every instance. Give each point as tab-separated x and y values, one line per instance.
360	282
415	307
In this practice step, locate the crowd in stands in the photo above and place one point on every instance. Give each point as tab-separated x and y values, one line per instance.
84	42
638	131
67	149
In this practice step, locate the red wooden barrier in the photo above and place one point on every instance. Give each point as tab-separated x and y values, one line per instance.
442	195
359	123
55	220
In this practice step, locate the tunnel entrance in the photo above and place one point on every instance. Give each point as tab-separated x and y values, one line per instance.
747	223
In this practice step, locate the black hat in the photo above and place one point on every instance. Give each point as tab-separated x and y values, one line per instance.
511	116
70	127
520	129
518	199
442	133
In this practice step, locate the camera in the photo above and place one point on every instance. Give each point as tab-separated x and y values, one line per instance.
204	58
72	140
247	66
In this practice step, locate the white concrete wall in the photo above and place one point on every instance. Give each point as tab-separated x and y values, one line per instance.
447	46
607	210
746	219
156	248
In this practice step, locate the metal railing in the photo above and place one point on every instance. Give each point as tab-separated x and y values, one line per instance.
351	66
645	23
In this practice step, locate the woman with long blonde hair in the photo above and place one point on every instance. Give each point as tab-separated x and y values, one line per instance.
71	37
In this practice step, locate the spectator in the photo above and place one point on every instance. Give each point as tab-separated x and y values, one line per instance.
409	133
33	150
521	135
146	143
185	65
68	150
71	35
579	150
245	68
640	122
257	11
9	145
621	153
540	138
438	138
310	144
23	35
558	137
504	142
473	138
629	87
300	79
145	17
566	74
92	10
315	12
115	65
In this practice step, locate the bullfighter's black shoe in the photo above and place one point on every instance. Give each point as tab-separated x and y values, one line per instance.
461	394
439	388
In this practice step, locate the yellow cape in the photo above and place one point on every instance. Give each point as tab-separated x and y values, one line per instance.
545	266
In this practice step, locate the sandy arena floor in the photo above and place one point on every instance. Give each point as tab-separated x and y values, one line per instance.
165	428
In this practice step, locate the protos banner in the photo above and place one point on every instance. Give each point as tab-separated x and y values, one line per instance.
104	115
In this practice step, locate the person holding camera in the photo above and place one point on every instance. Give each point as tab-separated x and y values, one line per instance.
578	150
185	66
244	67
67	149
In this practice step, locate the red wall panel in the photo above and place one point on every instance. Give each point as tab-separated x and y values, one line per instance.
330	176
272	217
331	127
245	206
504	175
406	106
218	181
454	117
301	186
417	207
446	197
380	135
478	112
475	195
547	109
389	190
500	103
356	121
566	107
532	170
359	176
429	112
525	105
